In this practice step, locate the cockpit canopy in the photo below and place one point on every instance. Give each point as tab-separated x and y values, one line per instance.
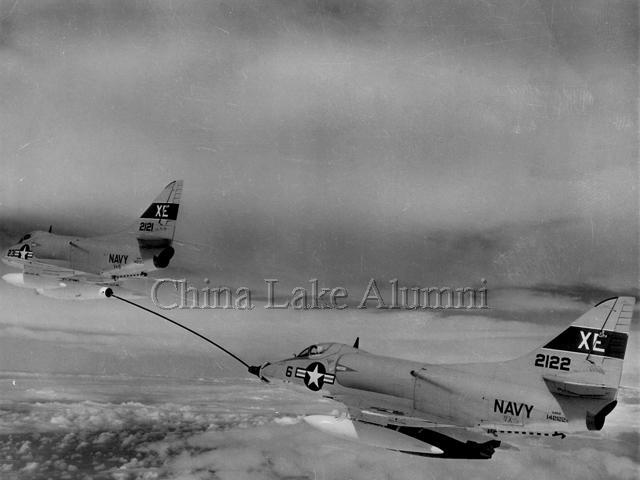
314	350
25	238
32	235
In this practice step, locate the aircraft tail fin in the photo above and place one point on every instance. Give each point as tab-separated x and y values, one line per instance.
582	366
157	224
592	348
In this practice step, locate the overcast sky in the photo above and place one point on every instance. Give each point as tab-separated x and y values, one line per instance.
438	143
434	142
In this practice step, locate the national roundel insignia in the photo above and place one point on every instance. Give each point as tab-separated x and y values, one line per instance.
315	376
25	252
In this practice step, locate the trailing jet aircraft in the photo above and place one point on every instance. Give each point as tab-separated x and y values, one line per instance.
568	384
70	267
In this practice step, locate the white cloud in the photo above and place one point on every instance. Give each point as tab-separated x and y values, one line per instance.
249	430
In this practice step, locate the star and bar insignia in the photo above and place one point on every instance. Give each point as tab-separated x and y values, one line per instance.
315	376
23	253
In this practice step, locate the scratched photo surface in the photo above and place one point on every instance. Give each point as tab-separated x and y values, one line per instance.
438	143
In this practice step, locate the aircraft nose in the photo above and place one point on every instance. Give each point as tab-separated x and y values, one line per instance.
269	370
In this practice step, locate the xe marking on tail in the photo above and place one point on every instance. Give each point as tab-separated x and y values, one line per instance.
161	211
595	344
593	341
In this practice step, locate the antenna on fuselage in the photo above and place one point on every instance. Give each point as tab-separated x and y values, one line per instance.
50	228
356	344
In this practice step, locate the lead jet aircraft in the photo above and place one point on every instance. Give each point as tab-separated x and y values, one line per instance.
569	384
70	267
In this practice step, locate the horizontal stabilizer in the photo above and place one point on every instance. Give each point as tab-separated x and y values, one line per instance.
560	386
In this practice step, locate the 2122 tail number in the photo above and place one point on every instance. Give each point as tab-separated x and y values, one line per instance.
553	362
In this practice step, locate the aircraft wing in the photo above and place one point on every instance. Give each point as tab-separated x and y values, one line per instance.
45	272
64	283
378	411
378	408
47	268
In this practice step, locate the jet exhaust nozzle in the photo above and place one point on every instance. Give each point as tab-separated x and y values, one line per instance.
163	258
596	422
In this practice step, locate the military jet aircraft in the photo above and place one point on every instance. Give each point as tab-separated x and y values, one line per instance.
70	267
568	384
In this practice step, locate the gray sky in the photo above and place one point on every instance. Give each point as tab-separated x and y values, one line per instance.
438	142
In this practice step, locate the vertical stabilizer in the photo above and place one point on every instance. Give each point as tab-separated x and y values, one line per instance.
582	366
157	224
593	346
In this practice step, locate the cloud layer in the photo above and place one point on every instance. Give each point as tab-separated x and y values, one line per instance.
230	429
